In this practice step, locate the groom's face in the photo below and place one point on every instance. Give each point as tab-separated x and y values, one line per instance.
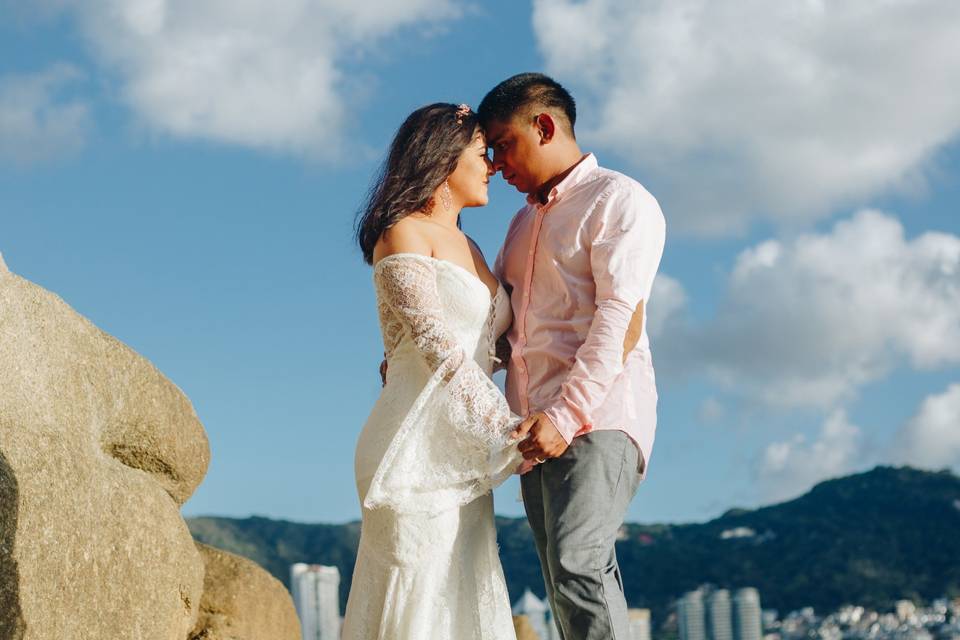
516	147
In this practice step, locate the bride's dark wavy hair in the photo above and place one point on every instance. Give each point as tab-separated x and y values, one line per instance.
423	154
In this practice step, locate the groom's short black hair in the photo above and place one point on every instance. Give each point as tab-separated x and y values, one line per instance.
527	91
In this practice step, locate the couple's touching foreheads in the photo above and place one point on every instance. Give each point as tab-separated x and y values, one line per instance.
562	309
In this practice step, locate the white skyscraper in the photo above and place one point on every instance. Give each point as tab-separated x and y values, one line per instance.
690	616
706	614
746	615
719	622
316	595
639	624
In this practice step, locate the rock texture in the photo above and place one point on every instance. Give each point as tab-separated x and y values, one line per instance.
241	601
97	453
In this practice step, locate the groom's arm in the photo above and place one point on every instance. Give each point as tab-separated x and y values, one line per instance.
628	238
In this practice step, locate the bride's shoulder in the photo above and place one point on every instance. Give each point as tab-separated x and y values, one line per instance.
406	236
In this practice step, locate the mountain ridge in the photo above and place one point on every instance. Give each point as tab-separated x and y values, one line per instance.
869	538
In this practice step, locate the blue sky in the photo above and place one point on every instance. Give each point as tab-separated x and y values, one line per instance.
187	178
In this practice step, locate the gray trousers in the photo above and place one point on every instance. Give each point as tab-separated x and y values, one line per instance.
575	505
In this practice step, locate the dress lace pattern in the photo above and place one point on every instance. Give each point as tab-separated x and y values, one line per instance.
434	446
453	445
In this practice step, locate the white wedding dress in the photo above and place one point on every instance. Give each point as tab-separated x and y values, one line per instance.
435	444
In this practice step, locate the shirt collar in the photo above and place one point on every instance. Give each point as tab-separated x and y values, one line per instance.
586	165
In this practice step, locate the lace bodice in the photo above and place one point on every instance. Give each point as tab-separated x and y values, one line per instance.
440	326
411	306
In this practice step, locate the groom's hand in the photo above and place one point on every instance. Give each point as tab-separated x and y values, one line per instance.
543	440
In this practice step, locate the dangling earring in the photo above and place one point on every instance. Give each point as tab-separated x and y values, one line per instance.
446	196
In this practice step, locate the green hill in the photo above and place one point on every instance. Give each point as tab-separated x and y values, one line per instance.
869	539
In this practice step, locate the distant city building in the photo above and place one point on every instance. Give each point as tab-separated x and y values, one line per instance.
316	595
746	615
708	613
909	621
719	621
690	616
850	614
538	614
905	609
769	618
639	624
523	628
535	611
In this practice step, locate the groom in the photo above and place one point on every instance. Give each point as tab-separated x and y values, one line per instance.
579	261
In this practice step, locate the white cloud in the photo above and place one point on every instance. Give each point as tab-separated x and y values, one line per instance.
711	410
931	438
260	73
666	299
751	109
789	468
39	119
808	321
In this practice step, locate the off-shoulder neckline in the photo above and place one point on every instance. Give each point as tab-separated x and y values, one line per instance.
410	254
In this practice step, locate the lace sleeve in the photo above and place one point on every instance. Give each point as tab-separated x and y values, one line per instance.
409	288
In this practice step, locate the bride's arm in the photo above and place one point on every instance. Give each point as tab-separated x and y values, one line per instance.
408	285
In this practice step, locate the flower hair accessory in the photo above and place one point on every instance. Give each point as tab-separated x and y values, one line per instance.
463	110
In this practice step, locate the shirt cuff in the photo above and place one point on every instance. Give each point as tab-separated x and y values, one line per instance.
566	420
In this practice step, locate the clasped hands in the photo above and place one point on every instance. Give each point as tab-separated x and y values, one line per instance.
540	438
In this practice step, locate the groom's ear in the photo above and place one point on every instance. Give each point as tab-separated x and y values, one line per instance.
546	126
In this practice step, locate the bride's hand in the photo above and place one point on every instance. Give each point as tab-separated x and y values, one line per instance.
521	430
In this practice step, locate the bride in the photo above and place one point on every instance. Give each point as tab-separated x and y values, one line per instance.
439	436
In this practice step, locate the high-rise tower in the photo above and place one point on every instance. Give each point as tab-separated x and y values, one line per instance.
316	595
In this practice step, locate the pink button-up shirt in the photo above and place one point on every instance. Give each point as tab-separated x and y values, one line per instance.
577	268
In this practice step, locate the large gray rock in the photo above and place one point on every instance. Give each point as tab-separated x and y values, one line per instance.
97	453
241	601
